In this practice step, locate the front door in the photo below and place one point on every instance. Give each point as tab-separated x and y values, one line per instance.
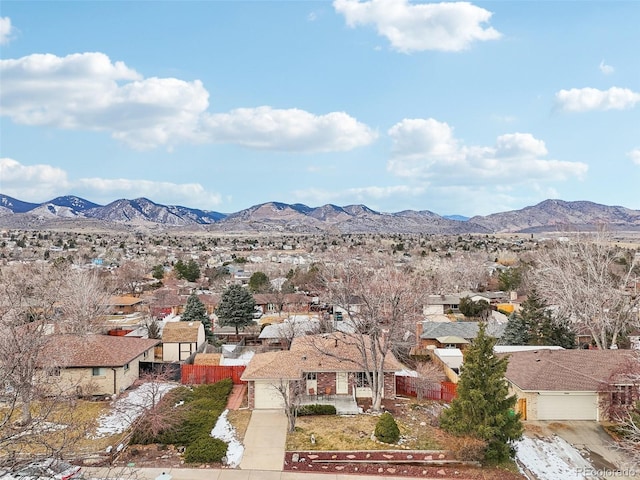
342	386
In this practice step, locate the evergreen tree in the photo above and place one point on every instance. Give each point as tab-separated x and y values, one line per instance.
259	283
482	407
190	271
236	308
195	311
544	329
516	331
473	309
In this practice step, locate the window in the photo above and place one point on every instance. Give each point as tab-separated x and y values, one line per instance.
97	372
624	395
144	355
362	379
54	372
126	367
312	376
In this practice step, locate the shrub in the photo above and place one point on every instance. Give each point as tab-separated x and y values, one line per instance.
205	450
316	409
468	449
387	430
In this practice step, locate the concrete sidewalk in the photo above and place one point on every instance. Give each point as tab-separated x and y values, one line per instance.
212	474
264	441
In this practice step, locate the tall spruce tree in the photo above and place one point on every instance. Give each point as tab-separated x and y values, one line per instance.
544	328
236	308
482	407
195	311
516	332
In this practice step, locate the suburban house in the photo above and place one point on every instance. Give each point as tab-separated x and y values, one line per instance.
572	384
123	304
432	335
442	304
95	364
280	335
180	340
270	304
322	367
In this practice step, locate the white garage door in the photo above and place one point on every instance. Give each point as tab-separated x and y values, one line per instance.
267	396
568	406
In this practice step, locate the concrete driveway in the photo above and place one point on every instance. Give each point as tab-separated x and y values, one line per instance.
571	449
591	440
264	441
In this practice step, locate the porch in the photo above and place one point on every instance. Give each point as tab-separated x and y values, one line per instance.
345	404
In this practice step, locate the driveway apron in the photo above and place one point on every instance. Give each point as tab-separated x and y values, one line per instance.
264	441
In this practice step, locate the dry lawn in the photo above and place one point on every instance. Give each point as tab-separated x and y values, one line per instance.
65	424
354	433
239	419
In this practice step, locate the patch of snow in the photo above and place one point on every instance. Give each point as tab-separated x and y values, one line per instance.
243	359
551	459
129	407
225	432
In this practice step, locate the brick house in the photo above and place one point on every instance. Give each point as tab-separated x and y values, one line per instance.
319	366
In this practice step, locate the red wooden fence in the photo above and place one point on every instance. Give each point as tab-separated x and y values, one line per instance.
415	387
199	374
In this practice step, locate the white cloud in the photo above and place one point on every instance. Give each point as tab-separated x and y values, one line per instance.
27	182
290	130
446	26
88	91
6	30
427	149
187	194
606	69
39	183
587	99
634	155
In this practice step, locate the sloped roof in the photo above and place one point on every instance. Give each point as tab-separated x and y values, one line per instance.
569	370
176	332
123	300
93	350
334	352
207	359
466	330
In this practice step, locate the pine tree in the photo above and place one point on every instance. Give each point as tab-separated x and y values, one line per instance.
544	329
236	308
195	311
516	331
482	407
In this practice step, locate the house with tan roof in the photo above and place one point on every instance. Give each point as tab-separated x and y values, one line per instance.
328	366
572	384
180	340
94	364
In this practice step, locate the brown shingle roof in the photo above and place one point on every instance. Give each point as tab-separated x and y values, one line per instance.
174	332
124	300
207	359
94	350
568	370
313	353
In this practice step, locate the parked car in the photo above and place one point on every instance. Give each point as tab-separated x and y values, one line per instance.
50	468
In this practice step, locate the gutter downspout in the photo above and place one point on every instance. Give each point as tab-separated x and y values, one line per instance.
115	384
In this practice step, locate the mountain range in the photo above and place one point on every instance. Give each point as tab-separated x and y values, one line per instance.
549	215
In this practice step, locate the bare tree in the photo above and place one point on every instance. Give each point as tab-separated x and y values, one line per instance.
35	403
291	392
382	303
84	300
129	276
587	278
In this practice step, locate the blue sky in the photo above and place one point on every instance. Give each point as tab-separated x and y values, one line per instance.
458	108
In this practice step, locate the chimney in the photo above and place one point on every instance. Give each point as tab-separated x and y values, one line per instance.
418	331
335	343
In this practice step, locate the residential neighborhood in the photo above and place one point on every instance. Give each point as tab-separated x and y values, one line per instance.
357	336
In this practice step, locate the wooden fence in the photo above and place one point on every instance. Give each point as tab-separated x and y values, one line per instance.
199	374
416	387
